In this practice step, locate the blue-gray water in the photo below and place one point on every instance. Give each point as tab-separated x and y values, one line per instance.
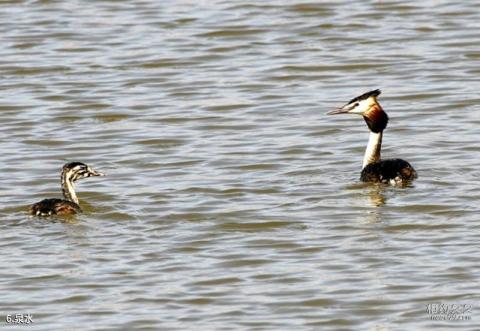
232	202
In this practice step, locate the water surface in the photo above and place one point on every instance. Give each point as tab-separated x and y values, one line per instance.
232	202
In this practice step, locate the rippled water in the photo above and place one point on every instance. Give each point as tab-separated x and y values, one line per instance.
232	202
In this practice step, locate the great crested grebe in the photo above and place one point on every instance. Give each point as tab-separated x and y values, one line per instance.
71	172
394	171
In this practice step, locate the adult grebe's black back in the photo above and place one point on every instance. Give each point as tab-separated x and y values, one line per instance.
71	172
395	171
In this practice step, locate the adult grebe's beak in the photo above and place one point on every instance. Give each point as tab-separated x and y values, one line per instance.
343	110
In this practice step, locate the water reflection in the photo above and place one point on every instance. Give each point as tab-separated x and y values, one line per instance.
373	194
376	194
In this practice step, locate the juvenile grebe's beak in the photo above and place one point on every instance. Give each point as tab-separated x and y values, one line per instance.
92	172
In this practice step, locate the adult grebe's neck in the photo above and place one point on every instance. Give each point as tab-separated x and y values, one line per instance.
372	153
68	188
377	121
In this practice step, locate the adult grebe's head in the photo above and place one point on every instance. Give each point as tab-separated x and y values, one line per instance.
367	106
74	171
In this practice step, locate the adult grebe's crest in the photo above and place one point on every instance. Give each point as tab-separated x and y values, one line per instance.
364	96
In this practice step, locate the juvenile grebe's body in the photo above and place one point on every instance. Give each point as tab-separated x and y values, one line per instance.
394	171
48	207
71	172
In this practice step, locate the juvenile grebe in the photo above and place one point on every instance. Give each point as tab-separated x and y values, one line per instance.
71	172
394	171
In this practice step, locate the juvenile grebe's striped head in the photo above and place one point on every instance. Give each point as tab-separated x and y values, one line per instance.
367	106
74	171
